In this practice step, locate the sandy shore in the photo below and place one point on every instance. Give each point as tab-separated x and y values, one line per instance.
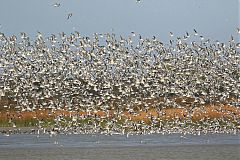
226	112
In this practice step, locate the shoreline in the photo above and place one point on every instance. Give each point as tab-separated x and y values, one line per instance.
204	119
167	114
199	122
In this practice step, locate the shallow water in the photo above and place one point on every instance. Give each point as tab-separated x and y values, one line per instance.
156	146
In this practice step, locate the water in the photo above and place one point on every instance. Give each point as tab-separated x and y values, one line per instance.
155	146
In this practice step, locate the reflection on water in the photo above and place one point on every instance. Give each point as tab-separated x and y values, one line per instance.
99	140
155	146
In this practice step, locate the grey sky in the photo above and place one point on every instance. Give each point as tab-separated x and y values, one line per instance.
216	19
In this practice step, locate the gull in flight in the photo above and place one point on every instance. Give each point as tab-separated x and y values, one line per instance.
69	15
56	5
195	32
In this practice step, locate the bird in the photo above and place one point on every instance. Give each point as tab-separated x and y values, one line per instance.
195	32
56	4
133	33
238	45
69	15
238	30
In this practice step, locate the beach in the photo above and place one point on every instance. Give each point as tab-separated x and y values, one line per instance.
226	114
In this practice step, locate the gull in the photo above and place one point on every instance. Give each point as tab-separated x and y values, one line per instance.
238	45
133	34
195	32
187	34
69	15
183	137
2	94
56	4
202	38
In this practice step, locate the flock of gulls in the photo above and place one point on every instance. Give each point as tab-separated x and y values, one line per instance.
110	72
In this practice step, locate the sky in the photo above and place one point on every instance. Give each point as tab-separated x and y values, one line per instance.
215	19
